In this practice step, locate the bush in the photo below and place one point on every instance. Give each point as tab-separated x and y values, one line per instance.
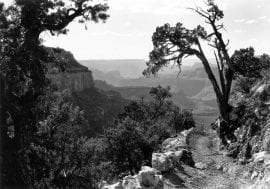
141	129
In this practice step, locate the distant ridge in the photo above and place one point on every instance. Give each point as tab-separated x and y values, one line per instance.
133	68
130	68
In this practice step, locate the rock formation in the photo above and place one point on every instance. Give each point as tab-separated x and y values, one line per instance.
174	152
261	160
77	81
66	73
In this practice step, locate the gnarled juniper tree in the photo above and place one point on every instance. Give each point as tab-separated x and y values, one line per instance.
173	43
23	72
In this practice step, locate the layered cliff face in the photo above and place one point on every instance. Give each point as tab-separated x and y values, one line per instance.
67	73
100	107
75	81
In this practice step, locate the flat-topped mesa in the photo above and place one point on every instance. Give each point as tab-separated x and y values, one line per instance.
73	75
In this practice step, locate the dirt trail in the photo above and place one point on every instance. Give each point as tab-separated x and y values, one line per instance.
205	149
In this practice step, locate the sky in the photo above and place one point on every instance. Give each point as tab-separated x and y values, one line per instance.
127	33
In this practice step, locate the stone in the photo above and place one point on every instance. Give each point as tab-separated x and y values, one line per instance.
149	177
263	156
165	161
219	167
174	150
175	156
254	174
261	183
161	162
117	185
201	165
185	133
174	144
225	169
260	89
131	182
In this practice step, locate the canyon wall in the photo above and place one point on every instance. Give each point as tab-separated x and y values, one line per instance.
66	73
75	81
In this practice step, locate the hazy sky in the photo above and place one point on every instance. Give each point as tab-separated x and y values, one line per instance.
127	33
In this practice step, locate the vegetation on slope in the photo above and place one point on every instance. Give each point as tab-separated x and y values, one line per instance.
251	105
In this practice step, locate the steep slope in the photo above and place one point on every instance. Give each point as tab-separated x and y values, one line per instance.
100	107
73	75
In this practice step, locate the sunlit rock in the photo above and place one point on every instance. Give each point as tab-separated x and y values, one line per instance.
117	185
254	175
219	167
161	162
132	182
176	143
201	165
262	156
174	151
149	177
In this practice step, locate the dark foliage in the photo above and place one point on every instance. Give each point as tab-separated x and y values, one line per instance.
24	82
246	64
141	129
100	108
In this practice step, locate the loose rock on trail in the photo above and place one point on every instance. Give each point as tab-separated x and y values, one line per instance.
213	171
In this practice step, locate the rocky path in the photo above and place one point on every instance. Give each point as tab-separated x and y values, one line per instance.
205	150
220	172
217	171
212	169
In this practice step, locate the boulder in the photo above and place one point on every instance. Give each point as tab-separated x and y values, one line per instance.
174	144
132	182
201	165
161	162
117	185
167	160
263	156
175	156
174	150
260	88
149	177
261	181
254	175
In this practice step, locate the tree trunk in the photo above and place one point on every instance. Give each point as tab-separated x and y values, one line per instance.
226	133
